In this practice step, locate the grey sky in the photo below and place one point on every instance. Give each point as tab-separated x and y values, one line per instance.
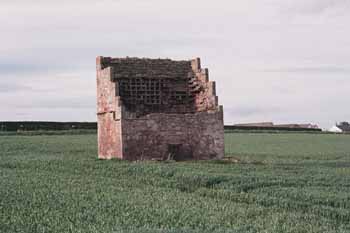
282	61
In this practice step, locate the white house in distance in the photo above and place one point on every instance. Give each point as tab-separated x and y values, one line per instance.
335	129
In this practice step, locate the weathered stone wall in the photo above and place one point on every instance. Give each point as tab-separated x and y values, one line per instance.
157	108
153	85
197	136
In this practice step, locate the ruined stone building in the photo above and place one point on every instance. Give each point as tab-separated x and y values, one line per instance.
157	109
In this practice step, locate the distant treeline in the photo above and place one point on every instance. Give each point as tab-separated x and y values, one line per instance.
47	125
268	128
44	125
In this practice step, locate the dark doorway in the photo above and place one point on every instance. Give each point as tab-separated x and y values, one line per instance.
179	152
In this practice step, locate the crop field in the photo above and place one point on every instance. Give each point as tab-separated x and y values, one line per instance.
272	183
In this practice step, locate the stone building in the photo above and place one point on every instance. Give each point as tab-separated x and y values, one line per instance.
157	109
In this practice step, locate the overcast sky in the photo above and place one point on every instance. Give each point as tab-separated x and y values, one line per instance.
286	61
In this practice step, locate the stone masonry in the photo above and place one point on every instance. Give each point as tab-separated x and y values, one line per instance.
157	109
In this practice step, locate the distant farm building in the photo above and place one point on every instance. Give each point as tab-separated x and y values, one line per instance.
272	126
335	129
344	126
157	109
260	124
302	126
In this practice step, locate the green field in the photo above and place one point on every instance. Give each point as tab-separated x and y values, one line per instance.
281	183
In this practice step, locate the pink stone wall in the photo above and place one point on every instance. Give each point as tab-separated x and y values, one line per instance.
108	115
109	136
